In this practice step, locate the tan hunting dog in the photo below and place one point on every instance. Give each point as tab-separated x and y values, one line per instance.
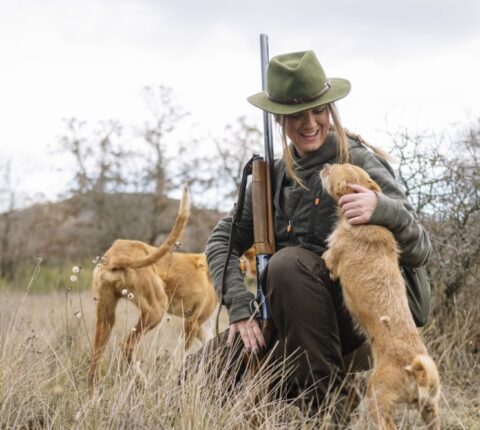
157	281
365	259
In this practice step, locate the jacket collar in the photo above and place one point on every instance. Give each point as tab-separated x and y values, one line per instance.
314	160
311	163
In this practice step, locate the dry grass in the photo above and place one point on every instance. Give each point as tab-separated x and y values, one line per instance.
45	347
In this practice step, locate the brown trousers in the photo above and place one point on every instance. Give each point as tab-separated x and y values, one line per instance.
314	333
313	326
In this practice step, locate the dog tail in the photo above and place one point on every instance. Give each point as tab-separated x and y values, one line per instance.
173	237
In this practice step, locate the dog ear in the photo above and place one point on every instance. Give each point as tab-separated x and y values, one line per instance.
416	368
420	374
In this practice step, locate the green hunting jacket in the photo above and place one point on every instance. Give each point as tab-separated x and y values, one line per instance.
312	216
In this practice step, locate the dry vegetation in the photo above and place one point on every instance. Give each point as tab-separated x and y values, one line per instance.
46	321
45	347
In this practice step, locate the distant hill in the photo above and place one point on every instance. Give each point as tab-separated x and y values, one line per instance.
85	225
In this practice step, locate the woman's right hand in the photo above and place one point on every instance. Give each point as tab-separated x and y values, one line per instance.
250	333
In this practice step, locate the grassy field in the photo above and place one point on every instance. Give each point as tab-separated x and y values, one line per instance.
45	348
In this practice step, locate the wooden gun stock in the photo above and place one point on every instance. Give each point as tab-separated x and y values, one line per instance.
263	229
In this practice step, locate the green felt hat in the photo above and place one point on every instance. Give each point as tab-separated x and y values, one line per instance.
296	82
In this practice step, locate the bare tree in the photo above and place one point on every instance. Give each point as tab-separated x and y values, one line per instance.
461	203
100	166
7	220
421	168
165	116
217	176
442	180
97	157
75	143
240	142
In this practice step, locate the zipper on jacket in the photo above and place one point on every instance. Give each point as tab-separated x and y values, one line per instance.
313	218
289	226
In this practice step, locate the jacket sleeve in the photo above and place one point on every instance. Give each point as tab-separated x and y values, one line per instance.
394	212
236	296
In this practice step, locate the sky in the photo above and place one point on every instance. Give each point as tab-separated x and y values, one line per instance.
412	64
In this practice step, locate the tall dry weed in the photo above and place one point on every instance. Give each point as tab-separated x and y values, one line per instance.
45	353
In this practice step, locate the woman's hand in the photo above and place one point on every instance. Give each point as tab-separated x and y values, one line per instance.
250	333
358	207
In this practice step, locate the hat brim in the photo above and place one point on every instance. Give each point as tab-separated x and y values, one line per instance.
339	89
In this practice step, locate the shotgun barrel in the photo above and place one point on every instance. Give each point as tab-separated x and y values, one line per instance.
267	118
262	168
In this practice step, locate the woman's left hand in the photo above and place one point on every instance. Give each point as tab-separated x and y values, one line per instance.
358	207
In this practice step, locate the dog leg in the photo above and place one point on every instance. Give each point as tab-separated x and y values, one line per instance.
192	331
197	331
152	302
208	327
380	405
145	323
105	319
151	313
330	262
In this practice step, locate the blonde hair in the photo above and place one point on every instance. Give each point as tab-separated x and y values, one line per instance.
380	152
343	148
343	153
290	162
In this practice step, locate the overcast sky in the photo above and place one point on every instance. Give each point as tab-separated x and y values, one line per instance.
413	63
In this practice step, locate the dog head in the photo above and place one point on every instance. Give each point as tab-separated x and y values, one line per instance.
337	177
427	381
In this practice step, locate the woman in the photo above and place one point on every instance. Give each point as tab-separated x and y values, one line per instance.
306	306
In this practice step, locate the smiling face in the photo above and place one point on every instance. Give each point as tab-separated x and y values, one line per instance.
308	129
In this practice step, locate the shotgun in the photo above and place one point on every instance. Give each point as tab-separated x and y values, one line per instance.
262	170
